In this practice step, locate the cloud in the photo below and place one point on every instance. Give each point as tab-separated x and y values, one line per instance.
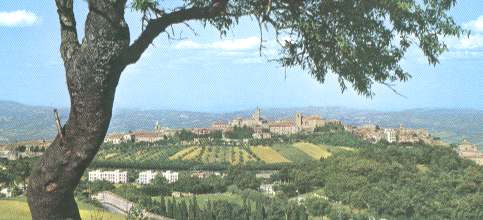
467	47
18	18
475	25
229	45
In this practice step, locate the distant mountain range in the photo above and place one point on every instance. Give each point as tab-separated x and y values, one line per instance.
20	122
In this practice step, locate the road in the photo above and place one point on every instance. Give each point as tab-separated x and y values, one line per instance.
117	204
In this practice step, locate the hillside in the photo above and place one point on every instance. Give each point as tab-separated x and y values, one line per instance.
18	209
22	122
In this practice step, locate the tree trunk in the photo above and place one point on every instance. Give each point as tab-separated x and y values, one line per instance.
92	72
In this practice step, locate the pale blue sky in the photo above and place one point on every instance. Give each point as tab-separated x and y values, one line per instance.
206	73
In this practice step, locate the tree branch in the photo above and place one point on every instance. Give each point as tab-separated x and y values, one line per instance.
69	42
159	25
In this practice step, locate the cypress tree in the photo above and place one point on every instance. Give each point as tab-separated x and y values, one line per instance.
162	206
183	210
169	210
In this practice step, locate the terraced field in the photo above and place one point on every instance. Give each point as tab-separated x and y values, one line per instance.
278	153
140	154
269	155
181	154
315	151
214	154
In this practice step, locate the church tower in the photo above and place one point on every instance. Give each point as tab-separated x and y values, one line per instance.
157	127
257	116
298	119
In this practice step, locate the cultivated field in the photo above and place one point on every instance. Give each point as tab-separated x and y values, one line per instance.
277	153
291	153
214	154
138	154
181	154
315	151
269	155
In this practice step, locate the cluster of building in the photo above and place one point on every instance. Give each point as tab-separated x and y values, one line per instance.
23	149
263	128
144	177
470	151
401	135
117	176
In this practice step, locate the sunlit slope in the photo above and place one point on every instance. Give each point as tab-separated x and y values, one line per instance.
19	210
315	151
269	155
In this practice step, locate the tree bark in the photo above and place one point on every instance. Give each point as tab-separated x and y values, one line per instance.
92	71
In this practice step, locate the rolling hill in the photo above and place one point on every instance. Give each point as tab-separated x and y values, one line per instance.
23	122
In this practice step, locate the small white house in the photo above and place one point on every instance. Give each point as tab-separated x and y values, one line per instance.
7	192
267	189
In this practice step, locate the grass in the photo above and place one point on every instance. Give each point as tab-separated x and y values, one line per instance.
291	153
315	151
269	155
17	209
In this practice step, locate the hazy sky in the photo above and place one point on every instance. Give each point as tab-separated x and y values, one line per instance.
209	73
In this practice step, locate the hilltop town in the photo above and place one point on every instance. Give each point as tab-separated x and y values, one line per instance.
259	128
264	129
306	158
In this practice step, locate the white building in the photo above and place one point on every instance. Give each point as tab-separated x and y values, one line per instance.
7	192
171	176
390	135
267	188
146	177
115	176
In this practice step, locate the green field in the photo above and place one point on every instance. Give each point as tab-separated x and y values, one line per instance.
278	153
181	154
315	151
17	209
214	154
137	154
269	155
291	153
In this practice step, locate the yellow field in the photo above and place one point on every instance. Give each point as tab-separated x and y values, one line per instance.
268	155
315	151
19	210
346	148
193	154
181	153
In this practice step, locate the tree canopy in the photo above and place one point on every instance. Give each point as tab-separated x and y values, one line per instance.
360	41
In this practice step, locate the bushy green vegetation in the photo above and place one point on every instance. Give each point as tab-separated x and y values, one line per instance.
137	152
240	133
385	180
